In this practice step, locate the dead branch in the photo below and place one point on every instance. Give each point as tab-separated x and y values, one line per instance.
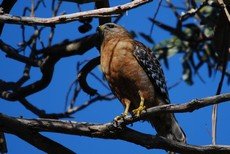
223	5
34	138
54	53
83	75
69	48
47	68
6	6
103	4
103	12
13	53
186	107
109	131
69	112
82	1
114	131
117	131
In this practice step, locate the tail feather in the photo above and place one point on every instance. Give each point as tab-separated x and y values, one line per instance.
177	131
167	126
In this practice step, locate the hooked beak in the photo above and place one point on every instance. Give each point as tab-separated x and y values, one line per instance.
100	29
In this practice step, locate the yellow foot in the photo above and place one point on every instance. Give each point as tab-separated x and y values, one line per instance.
120	117
125	113
138	111
141	107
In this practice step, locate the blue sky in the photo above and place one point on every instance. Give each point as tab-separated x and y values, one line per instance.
197	125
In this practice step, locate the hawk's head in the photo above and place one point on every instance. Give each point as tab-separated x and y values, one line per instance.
111	30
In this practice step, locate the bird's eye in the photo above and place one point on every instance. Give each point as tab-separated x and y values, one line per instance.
111	26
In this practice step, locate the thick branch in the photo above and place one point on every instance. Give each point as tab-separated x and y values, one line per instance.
109	131
43	143
115	131
6	18
69	48
186	107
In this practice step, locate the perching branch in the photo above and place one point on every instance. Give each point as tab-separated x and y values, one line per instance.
21	130
103	12
120	131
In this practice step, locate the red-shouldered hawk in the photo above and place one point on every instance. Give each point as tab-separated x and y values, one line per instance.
136	78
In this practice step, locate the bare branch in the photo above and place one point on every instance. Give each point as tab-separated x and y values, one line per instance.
225	48
69	48
109	131
221	3
96	98
192	11
13	53
83	75
82	1
7	6
3	144
120	131
186	107
154	17
41	142
70	111
47	69
103	4
54	53
103	12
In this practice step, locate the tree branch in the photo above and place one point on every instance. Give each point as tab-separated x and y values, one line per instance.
13	53
7	6
53	54
103	12
103	4
120	131
223	5
43	143
82	75
180	108
69	48
47	69
82	1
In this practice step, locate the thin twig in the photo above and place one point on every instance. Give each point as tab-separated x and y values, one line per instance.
154	17
103	12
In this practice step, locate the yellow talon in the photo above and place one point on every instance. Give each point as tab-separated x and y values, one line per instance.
125	113
120	117
141	107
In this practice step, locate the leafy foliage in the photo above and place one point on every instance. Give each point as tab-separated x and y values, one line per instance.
193	38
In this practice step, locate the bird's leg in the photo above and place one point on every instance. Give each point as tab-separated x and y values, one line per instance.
141	107
126	111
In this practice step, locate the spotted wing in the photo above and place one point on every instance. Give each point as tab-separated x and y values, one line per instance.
151	66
